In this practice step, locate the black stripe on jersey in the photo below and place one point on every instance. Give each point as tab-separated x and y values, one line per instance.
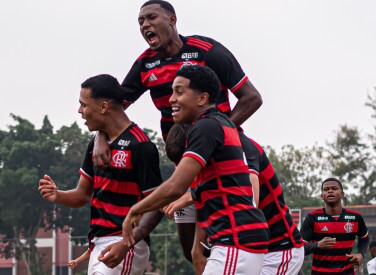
115	198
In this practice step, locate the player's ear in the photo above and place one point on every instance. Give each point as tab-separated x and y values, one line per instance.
173	19
104	106
322	197
203	99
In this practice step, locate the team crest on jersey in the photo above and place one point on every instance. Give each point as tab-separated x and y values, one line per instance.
121	159
189	55
123	142
348	227
153	64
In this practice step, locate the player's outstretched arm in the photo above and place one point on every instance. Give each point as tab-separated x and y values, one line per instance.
249	101
180	203
74	198
84	257
172	189
101	152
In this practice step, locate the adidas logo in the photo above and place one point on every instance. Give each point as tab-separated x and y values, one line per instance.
325	229
153	77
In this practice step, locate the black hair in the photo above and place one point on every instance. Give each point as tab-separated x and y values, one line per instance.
202	79
104	86
164	5
332	179
176	141
372	244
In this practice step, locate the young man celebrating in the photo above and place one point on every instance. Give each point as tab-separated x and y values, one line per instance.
213	166
112	191
330	233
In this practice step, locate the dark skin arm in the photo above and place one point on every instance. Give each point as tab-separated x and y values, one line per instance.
249	101
113	254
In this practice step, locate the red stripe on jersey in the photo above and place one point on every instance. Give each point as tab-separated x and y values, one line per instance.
86	176
225	212
224	107
270	198
267	173
102	222
196	157
335	227
258	146
147	53
331	269
166	74
211	194
352	211
110	208
329	258
162	102
317	211
199	43
231	136
222	168
277	218
233	230
239	84
141	133
120	187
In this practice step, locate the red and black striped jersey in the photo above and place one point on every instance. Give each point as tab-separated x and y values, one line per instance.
152	72
318	225
222	190
284	233
134	173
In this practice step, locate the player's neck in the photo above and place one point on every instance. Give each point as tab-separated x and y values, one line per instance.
333	209
117	126
173	48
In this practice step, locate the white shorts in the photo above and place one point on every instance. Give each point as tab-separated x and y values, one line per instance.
229	260
134	262
186	214
286	262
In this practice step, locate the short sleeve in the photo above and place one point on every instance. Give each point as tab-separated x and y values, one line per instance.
132	84
202	140
87	168
228	69
145	158
362	228
307	228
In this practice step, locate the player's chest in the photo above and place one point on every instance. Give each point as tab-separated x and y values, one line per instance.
326	225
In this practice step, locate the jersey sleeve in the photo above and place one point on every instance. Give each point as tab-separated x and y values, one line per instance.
87	168
202	140
225	65
252	154
146	164
132	84
362	228
307	228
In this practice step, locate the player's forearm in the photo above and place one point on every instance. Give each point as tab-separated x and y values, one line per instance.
363	245
166	193
310	248
249	101
147	224
72	198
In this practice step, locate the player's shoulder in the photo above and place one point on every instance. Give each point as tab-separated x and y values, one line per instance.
351	212
316	212
136	135
201	42
148	53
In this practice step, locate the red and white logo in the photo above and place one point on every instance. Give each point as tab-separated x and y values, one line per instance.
121	159
348	227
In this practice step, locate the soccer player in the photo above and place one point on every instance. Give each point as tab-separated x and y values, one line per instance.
286	253
371	265
213	166
134	174
155	70
330	233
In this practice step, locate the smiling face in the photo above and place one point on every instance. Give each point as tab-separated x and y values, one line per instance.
332	193
187	104
157	26
90	110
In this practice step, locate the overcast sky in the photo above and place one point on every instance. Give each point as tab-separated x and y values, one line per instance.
312	61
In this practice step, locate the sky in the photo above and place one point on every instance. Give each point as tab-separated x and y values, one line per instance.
313	62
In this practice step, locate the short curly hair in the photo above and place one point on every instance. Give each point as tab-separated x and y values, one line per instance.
202	79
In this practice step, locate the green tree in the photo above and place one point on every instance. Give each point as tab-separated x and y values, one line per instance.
299	171
26	154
